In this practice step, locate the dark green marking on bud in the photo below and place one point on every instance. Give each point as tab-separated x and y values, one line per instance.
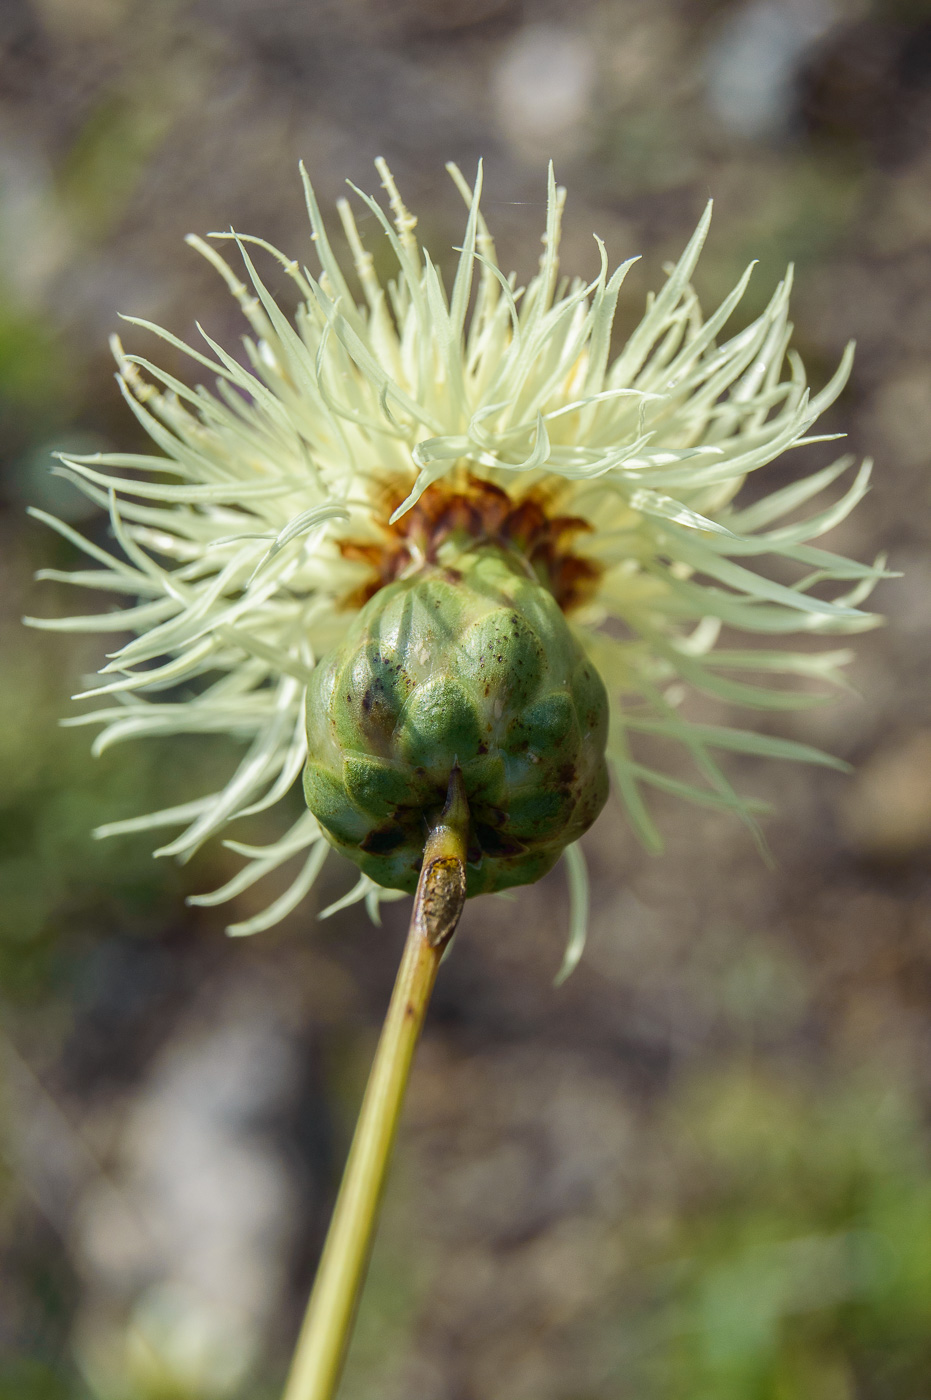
474	666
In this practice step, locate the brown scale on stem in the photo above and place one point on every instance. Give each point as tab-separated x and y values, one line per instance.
487	514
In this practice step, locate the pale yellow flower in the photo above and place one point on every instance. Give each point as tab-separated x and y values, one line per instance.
244	566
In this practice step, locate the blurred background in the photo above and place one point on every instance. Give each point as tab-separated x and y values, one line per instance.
698	1171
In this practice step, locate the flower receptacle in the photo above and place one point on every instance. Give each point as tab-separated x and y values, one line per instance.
472	666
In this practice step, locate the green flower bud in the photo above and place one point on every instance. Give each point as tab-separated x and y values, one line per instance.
476	666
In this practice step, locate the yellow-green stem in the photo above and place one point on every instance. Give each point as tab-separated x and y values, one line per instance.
324	1337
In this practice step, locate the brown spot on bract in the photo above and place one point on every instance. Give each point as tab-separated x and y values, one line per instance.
495	843
380	842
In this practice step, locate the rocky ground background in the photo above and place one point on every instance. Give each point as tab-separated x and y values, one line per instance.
699	1170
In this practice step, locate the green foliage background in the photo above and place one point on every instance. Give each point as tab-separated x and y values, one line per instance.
700	1170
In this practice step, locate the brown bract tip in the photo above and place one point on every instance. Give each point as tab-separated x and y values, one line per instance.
485	513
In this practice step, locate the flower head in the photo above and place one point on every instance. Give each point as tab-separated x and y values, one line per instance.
365	440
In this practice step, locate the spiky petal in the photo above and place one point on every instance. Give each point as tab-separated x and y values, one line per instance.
231	538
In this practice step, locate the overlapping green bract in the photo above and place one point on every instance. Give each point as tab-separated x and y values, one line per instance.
473	665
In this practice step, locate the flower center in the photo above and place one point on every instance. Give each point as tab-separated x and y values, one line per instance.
479	513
